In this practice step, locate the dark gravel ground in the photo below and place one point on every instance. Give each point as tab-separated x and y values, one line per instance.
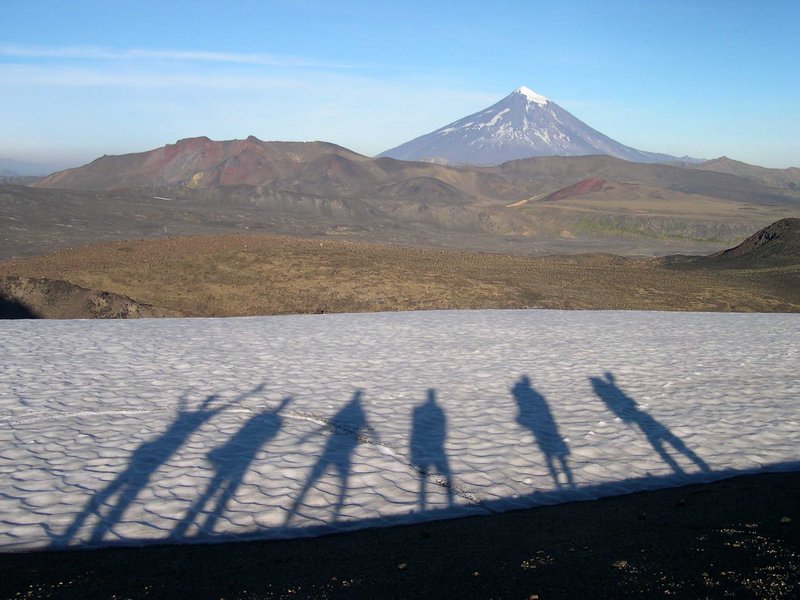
738	538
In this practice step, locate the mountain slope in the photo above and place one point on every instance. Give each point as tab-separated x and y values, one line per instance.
779	178
322	169
551	173
524	124
202	186
203	163
777	244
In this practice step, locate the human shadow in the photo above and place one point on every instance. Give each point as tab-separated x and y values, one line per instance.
231	462
118	495
657	434
428	434
347	428
534	413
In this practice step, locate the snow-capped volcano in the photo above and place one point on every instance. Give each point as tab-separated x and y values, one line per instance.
522	125
531	96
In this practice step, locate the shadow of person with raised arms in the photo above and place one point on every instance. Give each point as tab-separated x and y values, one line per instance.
534	413
346	430
657	434
231	462
428	433
143	463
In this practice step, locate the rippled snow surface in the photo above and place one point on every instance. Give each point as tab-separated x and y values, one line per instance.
129	432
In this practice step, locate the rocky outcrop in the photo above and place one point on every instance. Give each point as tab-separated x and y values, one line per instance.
30	298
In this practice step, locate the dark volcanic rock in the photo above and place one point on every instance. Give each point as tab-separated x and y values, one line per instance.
29	298
777	244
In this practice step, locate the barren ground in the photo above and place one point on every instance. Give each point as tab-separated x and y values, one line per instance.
731	539
236	275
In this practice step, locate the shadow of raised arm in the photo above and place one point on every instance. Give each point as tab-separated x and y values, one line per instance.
627	409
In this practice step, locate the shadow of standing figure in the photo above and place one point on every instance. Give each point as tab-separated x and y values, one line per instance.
143	463
231	462
534	413
346	431
657	434
428	433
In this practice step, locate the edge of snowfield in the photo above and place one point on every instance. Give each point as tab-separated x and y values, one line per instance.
198	430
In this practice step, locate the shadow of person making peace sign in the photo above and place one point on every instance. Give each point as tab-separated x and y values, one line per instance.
231	462
428	434
534	413
346	429
657	434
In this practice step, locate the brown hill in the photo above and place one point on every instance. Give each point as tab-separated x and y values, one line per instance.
595	188
551	173
774	245
203	163
307	168
202	186
328	169
773	253
237	275
593	184
779	178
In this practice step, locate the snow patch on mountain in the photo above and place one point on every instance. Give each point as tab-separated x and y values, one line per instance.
497	117
531	95
524	124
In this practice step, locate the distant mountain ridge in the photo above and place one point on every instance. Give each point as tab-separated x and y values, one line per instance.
322	169
198	184
780	178
524	124
203	163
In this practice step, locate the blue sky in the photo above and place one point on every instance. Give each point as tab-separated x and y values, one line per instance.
703	78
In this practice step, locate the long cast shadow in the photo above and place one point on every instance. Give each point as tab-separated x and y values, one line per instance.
346	428
657	434
534	413
428	434
231	462
143	463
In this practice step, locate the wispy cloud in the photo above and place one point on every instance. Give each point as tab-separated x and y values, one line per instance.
30	75
103	53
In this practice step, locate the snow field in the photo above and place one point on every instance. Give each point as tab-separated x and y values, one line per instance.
131	432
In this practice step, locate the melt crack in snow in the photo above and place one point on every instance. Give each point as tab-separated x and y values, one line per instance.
338	428
124	457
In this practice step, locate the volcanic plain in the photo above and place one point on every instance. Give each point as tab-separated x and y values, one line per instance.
245	274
